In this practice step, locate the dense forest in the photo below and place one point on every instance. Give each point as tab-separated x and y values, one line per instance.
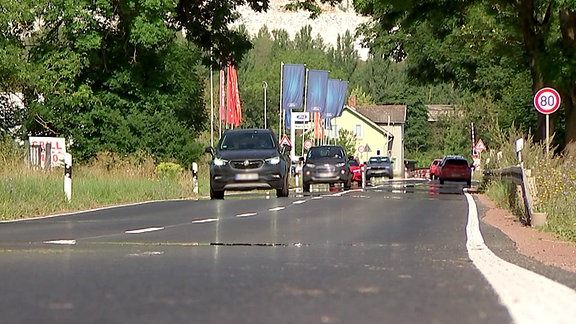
133	76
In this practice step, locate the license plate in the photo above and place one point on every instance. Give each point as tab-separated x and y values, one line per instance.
246	176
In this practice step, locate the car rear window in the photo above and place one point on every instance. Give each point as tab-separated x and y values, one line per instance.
353	163
456	162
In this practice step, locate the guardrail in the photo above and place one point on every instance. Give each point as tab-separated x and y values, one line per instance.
518	176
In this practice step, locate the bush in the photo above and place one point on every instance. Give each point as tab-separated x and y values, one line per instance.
169	170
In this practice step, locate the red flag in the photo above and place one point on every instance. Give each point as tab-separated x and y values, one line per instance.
222	95
238	115
318	130
230	99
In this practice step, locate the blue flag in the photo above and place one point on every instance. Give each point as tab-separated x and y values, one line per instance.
317	88
293	76
341	97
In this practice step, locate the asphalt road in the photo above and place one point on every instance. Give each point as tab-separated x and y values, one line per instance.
395	253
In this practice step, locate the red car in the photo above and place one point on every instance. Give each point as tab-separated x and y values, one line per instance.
455	168
356	170
435	169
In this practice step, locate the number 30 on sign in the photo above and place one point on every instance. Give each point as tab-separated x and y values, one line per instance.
547	100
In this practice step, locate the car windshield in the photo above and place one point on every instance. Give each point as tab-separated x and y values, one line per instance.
353	163
379	159
247	141
325	152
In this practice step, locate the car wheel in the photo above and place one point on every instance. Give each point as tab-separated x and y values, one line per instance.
468	183
348	184
441	181
216	194
284	191
390	177
306	186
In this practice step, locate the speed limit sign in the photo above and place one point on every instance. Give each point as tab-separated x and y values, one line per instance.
547	100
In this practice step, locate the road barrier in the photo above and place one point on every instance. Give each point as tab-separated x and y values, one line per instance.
521	177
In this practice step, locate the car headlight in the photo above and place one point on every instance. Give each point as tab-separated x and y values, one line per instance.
274	160
310	165
220	162
341	164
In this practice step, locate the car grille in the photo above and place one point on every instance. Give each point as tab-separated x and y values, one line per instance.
246	164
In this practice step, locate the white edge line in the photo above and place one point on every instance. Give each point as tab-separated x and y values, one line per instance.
528	296
89	210
144	230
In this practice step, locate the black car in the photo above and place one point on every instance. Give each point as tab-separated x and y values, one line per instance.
326	164
249	159
378	167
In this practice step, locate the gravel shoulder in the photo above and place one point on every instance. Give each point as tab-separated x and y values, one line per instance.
531	242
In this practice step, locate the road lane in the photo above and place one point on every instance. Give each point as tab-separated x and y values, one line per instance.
383	255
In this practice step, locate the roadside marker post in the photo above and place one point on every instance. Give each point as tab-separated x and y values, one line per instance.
68	176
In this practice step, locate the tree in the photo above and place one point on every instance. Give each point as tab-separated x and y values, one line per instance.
481	45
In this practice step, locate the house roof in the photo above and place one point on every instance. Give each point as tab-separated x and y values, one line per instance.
368	121
383	114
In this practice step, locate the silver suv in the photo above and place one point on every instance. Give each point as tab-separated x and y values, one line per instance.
248	159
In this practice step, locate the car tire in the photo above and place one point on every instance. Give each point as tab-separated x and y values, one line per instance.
441	181
348	184
468	183
216	194
284	191
306	186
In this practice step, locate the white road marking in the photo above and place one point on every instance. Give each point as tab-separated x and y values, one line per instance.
207	220
144	230
298	202
246	215
276	209
61	242
529	297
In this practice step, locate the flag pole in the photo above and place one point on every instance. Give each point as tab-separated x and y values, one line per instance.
280	108
211	103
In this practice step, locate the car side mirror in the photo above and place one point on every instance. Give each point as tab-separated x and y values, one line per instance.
301	159
209	150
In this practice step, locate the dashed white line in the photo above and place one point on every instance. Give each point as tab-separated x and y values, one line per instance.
276	209
247	215
529	297
298	202
207	220
61	242
144	230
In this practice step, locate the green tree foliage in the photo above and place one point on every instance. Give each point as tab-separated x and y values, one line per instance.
502	50
112	77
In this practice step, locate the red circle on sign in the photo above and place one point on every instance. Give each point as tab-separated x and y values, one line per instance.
361	149
547	100
307	144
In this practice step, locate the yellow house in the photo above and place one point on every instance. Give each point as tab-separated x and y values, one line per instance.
379	130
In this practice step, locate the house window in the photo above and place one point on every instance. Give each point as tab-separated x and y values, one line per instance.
358	131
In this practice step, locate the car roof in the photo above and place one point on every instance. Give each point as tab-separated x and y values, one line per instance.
248	130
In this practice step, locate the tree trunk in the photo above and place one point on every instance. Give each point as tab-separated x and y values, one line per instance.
568	29
533	33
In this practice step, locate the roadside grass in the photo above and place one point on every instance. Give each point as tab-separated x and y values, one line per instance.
554	177
111	180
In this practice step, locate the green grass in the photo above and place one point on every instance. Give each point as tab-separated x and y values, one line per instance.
29	192
555	184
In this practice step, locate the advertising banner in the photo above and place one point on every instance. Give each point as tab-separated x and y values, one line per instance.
317	86
293	76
